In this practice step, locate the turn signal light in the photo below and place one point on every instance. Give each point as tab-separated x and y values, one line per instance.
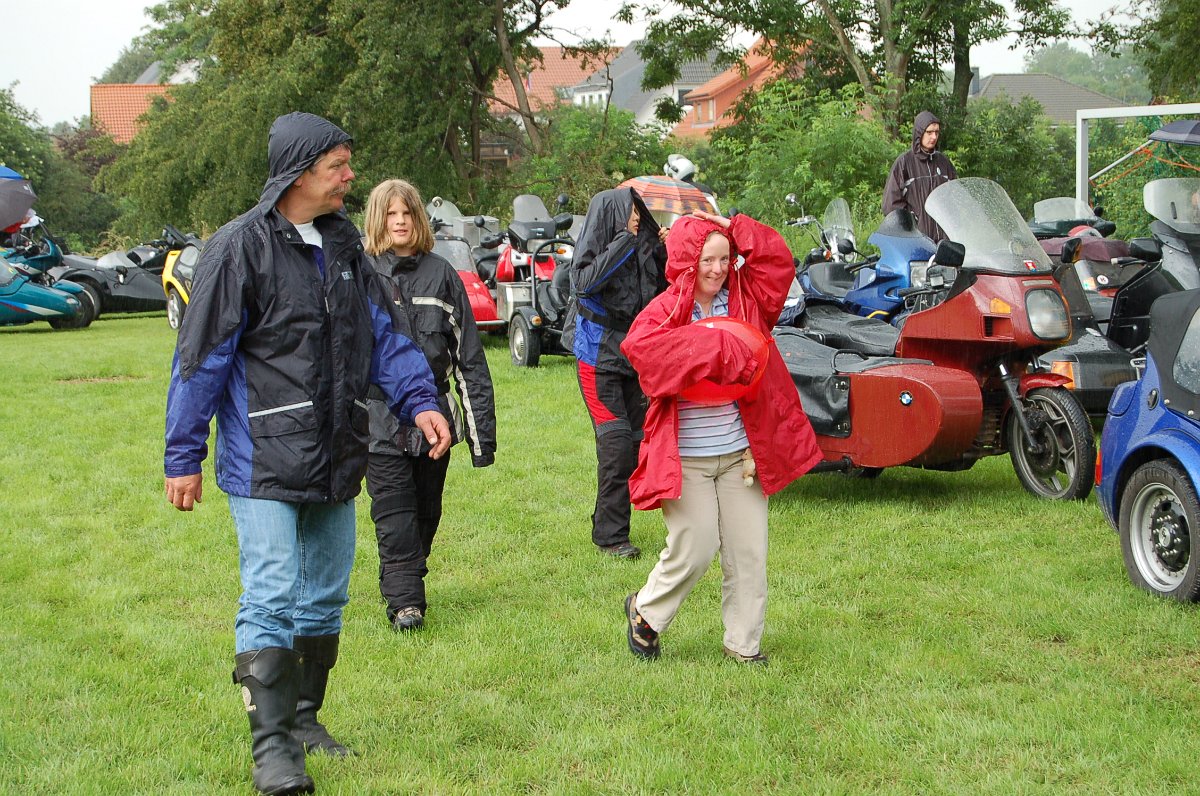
1065	369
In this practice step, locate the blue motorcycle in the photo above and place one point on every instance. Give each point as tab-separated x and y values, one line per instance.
34	261
24	301
877	286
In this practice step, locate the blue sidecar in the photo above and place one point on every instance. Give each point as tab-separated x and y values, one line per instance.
1149	464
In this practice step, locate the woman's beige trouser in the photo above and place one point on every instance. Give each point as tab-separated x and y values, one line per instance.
715	511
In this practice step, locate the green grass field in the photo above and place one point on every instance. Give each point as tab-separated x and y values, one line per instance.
928	632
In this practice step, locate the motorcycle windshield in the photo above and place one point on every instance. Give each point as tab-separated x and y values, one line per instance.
1062	208
442	209
978	214
837	220
457	252
1175	202
528	207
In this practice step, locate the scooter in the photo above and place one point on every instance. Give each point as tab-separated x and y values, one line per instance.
961	381
537	327
530	254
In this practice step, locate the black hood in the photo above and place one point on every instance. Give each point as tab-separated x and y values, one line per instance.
297	140
924	119
607	216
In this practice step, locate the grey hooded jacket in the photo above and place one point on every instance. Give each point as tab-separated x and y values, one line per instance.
915	174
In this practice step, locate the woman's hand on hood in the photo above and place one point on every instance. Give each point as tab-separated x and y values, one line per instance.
720	221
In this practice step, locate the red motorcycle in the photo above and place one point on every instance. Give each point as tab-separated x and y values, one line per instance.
959	379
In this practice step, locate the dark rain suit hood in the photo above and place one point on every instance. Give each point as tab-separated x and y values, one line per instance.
297	141
916	174
615	274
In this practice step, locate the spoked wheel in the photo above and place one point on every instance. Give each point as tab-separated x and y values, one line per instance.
174	308
1059	461
1158	527
523	343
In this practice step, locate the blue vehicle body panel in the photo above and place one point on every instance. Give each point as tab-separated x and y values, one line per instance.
876	290
1138	431
22	301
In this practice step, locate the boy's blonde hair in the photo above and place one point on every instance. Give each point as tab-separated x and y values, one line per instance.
379	238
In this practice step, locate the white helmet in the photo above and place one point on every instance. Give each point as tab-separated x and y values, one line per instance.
679	168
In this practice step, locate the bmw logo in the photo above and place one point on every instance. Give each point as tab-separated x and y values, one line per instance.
906	398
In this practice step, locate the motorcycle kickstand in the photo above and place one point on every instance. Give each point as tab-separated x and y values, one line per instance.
1010	387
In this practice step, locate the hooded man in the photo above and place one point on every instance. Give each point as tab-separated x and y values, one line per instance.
917	172
617	269
287	328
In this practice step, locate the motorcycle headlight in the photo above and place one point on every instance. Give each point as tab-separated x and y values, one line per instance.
1048	317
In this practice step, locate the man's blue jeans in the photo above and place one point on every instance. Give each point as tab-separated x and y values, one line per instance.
295	561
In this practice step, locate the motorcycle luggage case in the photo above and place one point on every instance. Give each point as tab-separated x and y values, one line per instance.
882	411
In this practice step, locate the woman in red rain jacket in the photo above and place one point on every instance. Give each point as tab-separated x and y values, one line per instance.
711	468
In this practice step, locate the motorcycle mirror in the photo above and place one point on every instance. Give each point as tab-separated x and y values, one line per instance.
1070	251
561	200
845	246
950	253
790	199
1105	227
1146	249
480	222
1099	211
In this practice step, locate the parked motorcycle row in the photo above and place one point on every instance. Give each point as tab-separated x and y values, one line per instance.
42	281
1010	337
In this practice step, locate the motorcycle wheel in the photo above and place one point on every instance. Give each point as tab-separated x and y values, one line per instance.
1060	462
174	309
523	343
1159	526
89	310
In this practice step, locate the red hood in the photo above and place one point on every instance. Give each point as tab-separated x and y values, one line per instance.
684	243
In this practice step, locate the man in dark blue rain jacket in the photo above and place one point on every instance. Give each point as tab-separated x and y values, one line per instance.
287	328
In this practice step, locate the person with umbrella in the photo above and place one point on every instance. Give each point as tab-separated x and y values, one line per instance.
617	269
16	198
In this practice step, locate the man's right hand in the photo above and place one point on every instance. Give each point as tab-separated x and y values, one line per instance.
184	491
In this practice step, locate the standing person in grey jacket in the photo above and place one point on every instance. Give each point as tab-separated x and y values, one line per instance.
917	172
287	328
406	485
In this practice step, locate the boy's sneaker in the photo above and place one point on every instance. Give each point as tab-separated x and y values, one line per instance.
643	639
758	658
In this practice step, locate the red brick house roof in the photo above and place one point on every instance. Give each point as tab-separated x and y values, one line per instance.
117	106
543	81
711	101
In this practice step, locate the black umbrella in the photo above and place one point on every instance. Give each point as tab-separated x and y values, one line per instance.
16	197
1180	131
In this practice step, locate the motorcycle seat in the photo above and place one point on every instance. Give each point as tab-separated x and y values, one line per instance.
839	329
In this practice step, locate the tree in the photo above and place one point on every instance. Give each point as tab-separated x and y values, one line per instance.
411	85
1166	40
1120	75
23	147
818	147
587	150
1015	145
130	64
887	45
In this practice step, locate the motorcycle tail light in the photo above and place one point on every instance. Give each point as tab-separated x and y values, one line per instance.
1047	313
1099	467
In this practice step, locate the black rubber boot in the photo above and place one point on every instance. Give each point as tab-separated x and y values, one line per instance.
318	654
270	680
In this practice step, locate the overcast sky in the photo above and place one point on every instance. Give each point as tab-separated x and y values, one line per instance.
59	47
